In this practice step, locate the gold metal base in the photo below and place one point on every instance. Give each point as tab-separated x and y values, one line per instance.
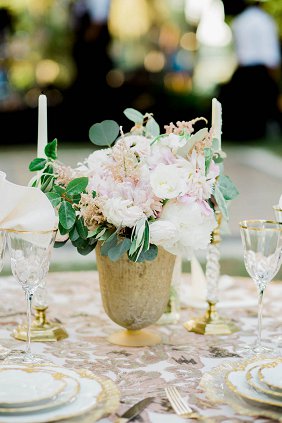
211	324
135	338
42	330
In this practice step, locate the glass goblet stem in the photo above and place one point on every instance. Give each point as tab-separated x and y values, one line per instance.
29	296
260	307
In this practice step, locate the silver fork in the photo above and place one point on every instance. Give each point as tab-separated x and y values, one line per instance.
180	407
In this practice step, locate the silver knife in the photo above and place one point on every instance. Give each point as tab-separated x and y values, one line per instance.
135	410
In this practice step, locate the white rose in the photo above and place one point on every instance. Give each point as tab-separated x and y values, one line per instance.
121	212
167	181
163	232
194	226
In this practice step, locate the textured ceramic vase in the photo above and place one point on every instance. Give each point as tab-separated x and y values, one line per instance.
135	295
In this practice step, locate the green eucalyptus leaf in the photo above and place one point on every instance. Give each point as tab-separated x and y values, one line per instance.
51	149
220	200
92	241
227	187
54	198
208	158
104	133
67	215
96	231
104	235
116	252
191	141
73	234
58	244
77	186
62	230
152	128
133	115
80	243
150	254
94	194
109	243
86	250
81	228
37	164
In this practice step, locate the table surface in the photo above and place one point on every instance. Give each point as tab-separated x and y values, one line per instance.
181	359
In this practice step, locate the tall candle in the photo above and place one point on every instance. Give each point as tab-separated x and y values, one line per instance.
217	120
42	138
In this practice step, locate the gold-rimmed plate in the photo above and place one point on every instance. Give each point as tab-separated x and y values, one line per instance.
68	395
254	380
96	398
236	382
27	386
271	375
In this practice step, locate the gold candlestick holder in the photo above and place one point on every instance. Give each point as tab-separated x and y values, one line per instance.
211	323
42	330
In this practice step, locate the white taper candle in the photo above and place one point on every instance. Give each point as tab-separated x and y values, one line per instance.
42	138
217	120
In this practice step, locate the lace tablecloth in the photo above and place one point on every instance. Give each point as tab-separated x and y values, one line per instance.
181	359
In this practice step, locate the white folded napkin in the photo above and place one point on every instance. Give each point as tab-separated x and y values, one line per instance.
25	208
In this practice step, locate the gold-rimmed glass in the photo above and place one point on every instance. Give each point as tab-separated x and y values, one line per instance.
278	213
278	217
262	245
30	254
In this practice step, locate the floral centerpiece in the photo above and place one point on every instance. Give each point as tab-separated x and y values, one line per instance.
139	190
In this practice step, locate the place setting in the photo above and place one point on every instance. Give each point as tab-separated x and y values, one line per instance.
252	385
46	393
34	389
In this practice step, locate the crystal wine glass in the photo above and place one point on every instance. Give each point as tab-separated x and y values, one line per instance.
30	253
262	243
3	351
278	217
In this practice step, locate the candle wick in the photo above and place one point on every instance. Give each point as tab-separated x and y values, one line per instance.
43	92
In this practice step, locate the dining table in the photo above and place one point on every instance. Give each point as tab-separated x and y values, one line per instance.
181	359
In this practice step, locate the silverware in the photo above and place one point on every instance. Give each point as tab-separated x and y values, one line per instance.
180	406
135	410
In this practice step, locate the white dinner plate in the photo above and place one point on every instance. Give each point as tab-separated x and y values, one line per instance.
236	381
26	386
88	397
254	380
69	394
271	375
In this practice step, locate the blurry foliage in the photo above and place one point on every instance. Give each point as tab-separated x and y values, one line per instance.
274	7
40	30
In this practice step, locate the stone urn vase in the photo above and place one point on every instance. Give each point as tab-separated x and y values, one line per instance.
135	295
